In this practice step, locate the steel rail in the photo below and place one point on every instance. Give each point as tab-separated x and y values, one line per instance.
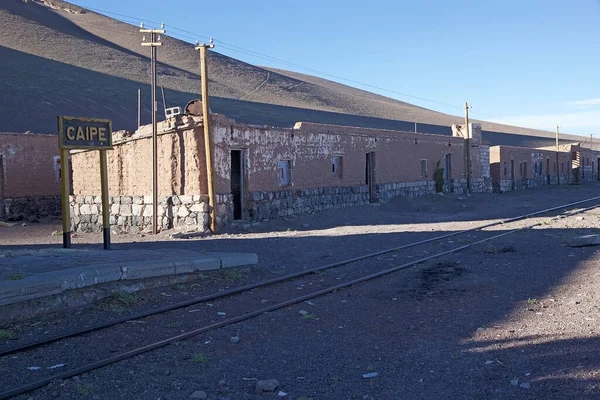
144	349
268	282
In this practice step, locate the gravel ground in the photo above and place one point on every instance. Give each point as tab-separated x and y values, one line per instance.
484	323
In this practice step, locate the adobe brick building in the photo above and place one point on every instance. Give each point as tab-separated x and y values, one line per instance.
517	168
262	173
29	176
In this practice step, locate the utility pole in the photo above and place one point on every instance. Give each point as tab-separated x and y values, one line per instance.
139	108
207	139
557	150
153	44
468	145
162	88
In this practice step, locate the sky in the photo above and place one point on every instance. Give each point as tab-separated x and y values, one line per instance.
532	63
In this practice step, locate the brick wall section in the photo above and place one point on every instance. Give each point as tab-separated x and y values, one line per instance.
547	171
310	148
28	182
181	165
28	165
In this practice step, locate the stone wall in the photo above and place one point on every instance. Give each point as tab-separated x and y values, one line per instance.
269	205
481	185
32	208
275	204
134	213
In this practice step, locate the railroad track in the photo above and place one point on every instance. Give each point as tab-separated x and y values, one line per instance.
356	272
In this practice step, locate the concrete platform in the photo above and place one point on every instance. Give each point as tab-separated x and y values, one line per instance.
30	274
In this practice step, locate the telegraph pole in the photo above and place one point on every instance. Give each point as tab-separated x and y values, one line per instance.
153	44
139	108
468	144
557	150
207	139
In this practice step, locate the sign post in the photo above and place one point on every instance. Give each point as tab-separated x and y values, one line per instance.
85	134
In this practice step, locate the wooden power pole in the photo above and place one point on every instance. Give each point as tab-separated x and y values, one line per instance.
557	166
153	44
468	145
207	138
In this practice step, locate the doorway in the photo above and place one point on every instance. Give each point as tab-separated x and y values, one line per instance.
512	174
597	176
370	176
237	183
1	187
448	171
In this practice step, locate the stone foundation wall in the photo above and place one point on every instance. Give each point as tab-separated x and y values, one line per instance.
481	185
269	205
506	185
31	208
134	213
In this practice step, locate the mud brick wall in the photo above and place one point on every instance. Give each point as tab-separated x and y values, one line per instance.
29	176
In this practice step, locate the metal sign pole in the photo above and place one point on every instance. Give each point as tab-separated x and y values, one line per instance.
86	134
105	205
66	207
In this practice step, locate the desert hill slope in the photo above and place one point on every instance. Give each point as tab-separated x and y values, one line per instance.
59	58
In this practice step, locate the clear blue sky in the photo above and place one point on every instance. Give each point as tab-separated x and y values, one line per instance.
533	63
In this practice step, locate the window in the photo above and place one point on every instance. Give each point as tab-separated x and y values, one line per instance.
423	167
562	167
57	170
336	166
505	169
525	170
285	167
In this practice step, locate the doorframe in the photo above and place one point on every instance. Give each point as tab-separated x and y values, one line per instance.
242	153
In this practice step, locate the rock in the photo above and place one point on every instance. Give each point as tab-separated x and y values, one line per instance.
199	394
305	225
268	385
370	375
514	382
303	312
490	249
525	385
282	394
583	241
23	224
580	218
234	339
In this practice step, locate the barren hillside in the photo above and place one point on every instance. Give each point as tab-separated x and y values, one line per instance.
62	59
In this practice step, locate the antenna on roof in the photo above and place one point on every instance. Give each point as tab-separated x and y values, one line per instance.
142	25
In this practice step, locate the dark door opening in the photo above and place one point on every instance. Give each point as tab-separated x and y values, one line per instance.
512	174
1	187
548	171
597	177
448	171
237	183
370	176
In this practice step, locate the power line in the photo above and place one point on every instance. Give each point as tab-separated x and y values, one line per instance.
278	60
192	36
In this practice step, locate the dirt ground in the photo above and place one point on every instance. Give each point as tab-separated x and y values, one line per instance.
515	319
